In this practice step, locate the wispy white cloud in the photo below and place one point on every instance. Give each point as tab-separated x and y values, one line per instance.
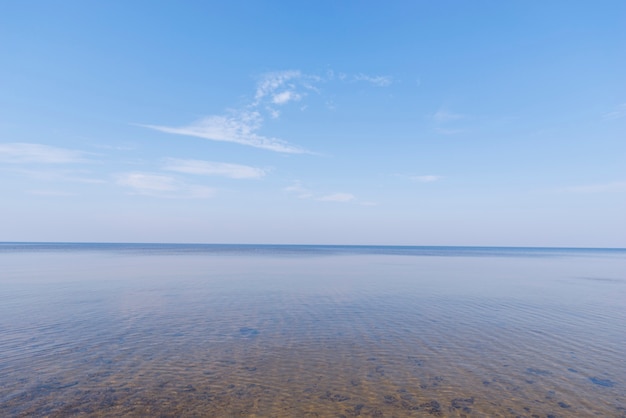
270	82
336	197
442	115
115	147
145	182
299	190
429	178
618	113
51	193
274	113
378	80
615	186
282	87
59	175
23	153
446	122
304	193
157	185
448	131
243	126
275	89
210	168
286	97
238	127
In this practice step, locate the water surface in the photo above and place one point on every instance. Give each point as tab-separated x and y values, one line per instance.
224	330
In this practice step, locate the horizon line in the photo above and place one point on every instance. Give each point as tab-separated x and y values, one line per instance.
304	245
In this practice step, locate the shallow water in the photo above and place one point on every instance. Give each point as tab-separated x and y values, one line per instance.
167	330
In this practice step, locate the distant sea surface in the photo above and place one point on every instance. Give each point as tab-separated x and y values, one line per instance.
104	330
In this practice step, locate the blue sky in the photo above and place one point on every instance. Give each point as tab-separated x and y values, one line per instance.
326	122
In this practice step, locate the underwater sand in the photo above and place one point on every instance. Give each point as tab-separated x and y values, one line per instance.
267	331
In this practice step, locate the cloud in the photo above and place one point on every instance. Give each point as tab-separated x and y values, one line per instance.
157	185
63	175
270	82
618	113
243	125
616	186
303	193
51	193
274	114
116	147
336	197
285	97
299	190
446	121
448	131
147	182
209	168
425	179
281	87
22	153
379	80
238	127
443	116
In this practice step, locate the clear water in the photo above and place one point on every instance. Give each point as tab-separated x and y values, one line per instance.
302	331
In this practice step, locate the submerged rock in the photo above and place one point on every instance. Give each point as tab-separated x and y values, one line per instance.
460	403
248	332
335	398
602	382
538	372
432	407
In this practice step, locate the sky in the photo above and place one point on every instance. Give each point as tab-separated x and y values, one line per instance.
314	122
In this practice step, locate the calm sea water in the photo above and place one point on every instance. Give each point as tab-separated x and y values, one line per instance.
304	331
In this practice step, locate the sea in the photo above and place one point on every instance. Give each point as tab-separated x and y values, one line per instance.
190	330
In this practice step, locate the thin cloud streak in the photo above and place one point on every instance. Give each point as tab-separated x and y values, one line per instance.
447	131
425	179
443	115
242	126
337	197
303	193
49	193
210	168
147	182
239	127
619	113
24	153
272	81
379	80
612	187
446	121
299	190
286	97
61	175
156	185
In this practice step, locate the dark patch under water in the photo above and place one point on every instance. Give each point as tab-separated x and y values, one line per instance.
602	382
